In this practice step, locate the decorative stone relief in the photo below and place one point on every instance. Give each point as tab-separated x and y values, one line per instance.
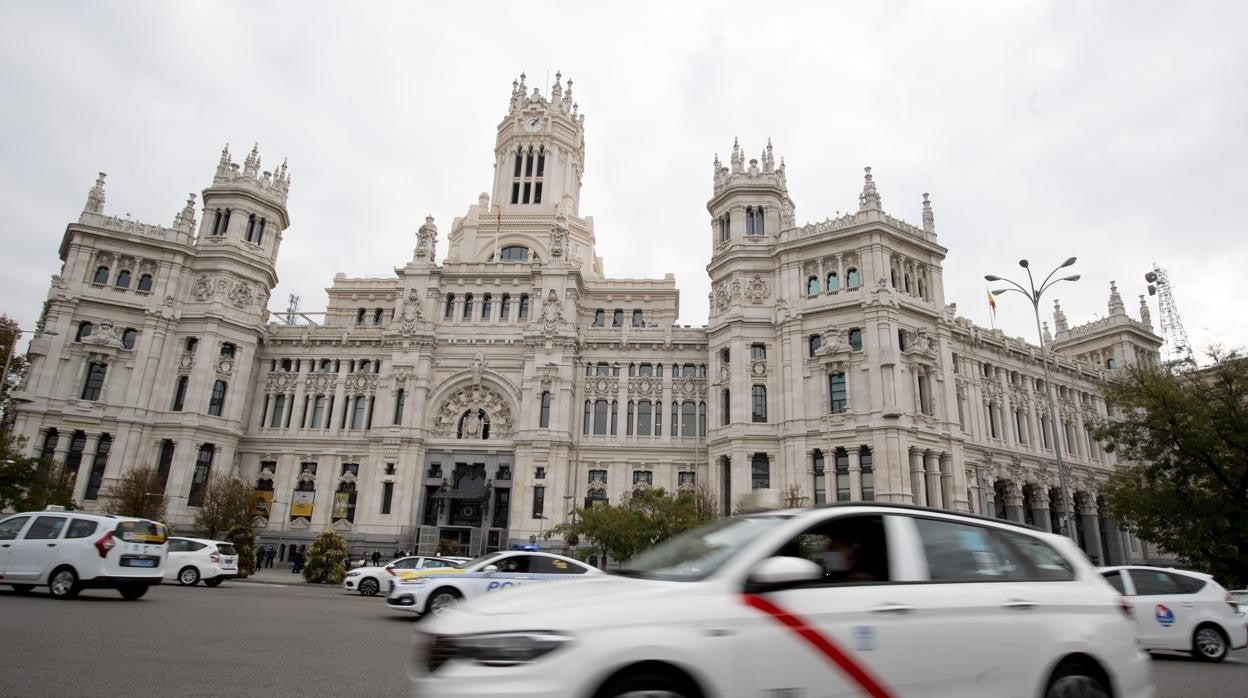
300	524
833	342
342	525
202	289
186	360
558	236
757	290
689	387
106	335
552	313
361	383
225	366
547	375
446	423
411	316
602	386
400	380
320	382
758	369
645	387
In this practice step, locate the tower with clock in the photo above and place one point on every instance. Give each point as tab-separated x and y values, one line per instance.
540	151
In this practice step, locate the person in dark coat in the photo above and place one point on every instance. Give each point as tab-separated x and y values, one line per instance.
376	558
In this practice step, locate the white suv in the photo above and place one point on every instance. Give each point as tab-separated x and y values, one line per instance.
193	559
69	551
856	599
1181	610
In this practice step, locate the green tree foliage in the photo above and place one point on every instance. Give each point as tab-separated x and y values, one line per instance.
642	519
1185	431
227	503
30	484
327	559
139	493
9	339
244	541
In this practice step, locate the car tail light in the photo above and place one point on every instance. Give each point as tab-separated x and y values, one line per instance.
391	572
106	544
1230	601
215	557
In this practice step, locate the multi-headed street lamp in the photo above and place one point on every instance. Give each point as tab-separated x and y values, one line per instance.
1033	294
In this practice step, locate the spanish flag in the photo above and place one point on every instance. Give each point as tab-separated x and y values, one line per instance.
992	303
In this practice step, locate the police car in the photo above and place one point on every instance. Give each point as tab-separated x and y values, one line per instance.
433	591
1181	610
853	599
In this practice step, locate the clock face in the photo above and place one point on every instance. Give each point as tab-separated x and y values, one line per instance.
533	123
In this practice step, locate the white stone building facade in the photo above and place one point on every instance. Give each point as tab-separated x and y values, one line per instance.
483	398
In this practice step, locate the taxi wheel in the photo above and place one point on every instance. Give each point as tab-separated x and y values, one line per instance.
442	600
189	576
646	684
369	587
214	582
63	584
1209	644
1076	681
130	592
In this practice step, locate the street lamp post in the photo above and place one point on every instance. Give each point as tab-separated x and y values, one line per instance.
1034	295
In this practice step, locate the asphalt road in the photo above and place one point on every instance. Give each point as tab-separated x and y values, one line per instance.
245	638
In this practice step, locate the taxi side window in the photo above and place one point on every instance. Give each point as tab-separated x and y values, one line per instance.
1046	563
429	564
1188	585
850	549
406	563
1153	583
11	527
1115	580
45	528
175	544
550	565
192	546
515	563
81	528
959	552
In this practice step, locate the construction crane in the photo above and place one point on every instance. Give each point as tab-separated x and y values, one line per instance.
1176	346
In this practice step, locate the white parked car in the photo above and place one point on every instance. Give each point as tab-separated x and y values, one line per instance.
426	592
370	580
71	551
1180	610
842	600
193	559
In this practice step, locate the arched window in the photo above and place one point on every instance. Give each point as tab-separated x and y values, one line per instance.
359	316
84	330
145	283
599	317
450	306
128	336
467	306
1111	363
377	315
834	282
851	278
486	300
123	279
217	401
524	307
543	420
855	339
259	237
812	286
250	232
101	275
617	317
474	424
514	253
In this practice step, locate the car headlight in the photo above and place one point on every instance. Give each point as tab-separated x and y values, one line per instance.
489	649
353	573
414	580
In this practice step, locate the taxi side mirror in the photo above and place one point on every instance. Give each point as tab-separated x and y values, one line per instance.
489	568
782	571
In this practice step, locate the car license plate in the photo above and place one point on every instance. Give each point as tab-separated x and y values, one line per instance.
140	562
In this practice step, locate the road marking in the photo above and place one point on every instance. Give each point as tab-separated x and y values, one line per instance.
823	644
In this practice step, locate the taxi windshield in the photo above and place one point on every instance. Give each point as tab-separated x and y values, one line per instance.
478	560
696	554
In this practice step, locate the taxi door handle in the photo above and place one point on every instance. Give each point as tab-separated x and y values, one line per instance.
1187	604
1020	605
892	608
51	545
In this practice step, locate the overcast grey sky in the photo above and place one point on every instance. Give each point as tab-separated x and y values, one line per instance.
1114	131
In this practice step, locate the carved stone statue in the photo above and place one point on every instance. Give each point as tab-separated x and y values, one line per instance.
478	365
834	341
472	425
411	315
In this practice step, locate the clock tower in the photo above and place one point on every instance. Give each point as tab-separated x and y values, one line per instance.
540	151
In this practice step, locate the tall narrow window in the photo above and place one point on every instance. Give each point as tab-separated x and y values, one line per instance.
467	306
834	283
855	339
758	412
450	306
701	419
615	416
259	237
524	306
96	476
617	317
675	423
145	283
123	279
585	420
357	412
539	501
318	412
84	330
925	400
400	397
837	394
279	406
812	345
725	407
94	384
628	421
179	393
250	232
543	419
852	279
387	496
688	419
842	475
658	418
504	310
199	480
812	286
48	451
645	419
600	417
486	300
216	402
128	337
377	315
599	316
637	318
165	463
101	275
868	474
821	486
760	472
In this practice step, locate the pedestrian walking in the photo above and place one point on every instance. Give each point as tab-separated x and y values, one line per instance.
259	557
376	558
269	556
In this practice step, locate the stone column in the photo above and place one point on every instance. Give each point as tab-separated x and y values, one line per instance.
1014	503
1115	548
855	474
84	468
947	482
916	477
1040	510
933	480
973	486
1092	532
61	452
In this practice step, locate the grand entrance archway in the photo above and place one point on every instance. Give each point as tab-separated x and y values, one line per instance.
465	503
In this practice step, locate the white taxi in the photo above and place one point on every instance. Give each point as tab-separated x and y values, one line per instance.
434	591
1181	610
843	600
369	580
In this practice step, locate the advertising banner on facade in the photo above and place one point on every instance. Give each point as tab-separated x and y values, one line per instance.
342	502
301	503
261	503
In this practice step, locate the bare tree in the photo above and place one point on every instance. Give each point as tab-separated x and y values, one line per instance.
227	503
139	493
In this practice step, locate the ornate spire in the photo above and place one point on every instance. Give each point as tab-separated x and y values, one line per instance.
929	220
769	159
223	166
1059	318
95	197
251	164
556	90
738	162
869	200
1145	316
186	217
1048	336
1116	306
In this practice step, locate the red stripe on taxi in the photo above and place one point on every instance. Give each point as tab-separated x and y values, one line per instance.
823	644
